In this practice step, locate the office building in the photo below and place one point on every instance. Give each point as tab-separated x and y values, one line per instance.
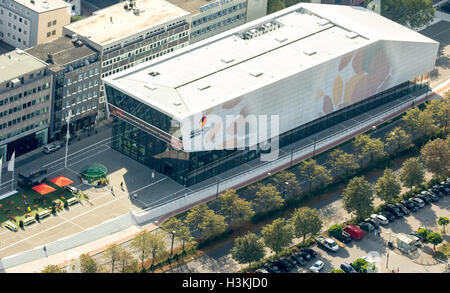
25	103
75	7
27	23
76	70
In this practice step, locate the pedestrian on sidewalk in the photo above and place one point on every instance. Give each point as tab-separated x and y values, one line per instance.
121	186
112	189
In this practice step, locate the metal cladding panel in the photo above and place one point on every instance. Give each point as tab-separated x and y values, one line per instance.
308	94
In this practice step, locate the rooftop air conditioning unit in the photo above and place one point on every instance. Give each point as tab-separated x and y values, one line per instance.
74	38
15	82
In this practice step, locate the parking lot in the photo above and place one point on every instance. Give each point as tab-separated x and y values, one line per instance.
376	247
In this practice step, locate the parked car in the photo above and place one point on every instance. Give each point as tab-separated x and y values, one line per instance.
437	191
394	210
344	237
374	223
446	187
366	226
354	231
298	259
272	268
424	198
431	195
71	189
10	226
380	219
418	201
403	209
263	271
317	266
284	264
409	205
418	241
309	251
327	243
388	215
50	148
348	268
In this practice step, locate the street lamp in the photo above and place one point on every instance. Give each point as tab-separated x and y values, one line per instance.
171	247
67	136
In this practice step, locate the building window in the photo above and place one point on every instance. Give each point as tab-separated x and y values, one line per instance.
54	22
49	24
53	32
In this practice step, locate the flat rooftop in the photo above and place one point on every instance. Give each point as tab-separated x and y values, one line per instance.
193	6
64	51
18	63
43	5
115	22
221	68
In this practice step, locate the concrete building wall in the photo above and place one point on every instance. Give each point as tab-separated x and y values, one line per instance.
50	24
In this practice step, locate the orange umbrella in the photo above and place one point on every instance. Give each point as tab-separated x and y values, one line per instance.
61	181
43	189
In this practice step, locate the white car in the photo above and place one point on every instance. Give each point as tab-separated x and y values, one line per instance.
51	148
317	266
380	219
331	244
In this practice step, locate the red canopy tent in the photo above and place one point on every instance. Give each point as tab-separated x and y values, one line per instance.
43	189
61	181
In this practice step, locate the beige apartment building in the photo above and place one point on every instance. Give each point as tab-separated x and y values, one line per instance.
27	23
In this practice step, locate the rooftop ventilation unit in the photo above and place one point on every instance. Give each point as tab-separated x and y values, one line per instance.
18	51
153	73
351	35
177	104
281	39
202	87
260	30
256	73
227	59
15	82
74	38
309	52
323	22
151	87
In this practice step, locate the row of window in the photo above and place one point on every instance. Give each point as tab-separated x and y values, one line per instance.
217	25
24	106
218	14
19	8
19	131
15	17
14	27
13	37
52	33
79	99
25	94
81	87
82	76
24	118
80	110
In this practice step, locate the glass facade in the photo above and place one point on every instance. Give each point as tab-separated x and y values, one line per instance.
191	168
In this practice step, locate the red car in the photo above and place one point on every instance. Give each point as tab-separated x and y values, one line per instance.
354	231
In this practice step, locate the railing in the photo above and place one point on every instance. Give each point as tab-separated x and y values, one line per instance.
189	199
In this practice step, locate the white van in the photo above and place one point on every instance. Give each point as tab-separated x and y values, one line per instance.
10	226
380	219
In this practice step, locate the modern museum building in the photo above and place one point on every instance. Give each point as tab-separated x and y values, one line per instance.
190	114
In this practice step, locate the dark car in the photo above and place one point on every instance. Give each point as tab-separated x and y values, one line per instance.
437	191
348	268
403	208
409	205
272	268
310	251
424	197
284	264
393	210
433	196
374	223
366	226
388	215
298	260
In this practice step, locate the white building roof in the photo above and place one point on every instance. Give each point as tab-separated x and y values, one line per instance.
40	6
115	22
218	69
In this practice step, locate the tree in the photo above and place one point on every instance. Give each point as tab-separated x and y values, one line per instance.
412	13
195	216
157	247
88	264
141	243
277	235
440	111
368	148
112	255
342	162
397	140
418	123
212	225
275	5
287	182
388	186
335	230
358	197
337	271
306	222
360	265
412	173
237	210
443	221
435	238
423	233
436	157
126	263
314	173
53	269
184	234
247	249
268	198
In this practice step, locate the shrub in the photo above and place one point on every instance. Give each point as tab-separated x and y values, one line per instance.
360	265
337	271
423	232
335	230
